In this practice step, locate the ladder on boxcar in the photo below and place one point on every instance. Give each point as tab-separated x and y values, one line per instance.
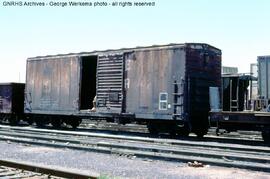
178	99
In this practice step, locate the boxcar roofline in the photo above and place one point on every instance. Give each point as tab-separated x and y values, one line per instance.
11	83
264	56
125	50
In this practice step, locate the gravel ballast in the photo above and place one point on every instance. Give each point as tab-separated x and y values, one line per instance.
116	165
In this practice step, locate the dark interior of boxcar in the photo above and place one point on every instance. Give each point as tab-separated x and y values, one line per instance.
88	81
18	98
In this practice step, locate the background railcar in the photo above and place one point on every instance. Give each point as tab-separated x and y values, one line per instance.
165	86
11	102
236	110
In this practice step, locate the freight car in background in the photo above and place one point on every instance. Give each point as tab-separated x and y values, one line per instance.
263	78
166	87
236	110
11	102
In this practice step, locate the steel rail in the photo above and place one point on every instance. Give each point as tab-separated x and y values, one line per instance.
110	143
223	158
45	170
140	139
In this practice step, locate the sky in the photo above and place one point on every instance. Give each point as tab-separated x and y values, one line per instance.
240	28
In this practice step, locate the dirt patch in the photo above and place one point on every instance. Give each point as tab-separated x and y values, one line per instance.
33	149
212	172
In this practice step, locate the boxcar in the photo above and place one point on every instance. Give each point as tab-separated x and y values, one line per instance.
263	77
11	102
165	86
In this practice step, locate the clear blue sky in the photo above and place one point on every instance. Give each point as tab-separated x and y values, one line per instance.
240	28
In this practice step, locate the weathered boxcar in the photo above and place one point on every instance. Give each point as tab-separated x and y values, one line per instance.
11	102
166	86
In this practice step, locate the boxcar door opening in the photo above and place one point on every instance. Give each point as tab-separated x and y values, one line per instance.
88	81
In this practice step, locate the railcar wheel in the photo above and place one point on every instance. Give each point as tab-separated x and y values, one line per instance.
173	134
266	136
56	123
2	118
184	131
30	121
13	120
201	133
152	128
40	122
75	123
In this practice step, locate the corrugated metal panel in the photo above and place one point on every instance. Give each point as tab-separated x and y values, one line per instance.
110	83
151	74
254	83
263	76
52	85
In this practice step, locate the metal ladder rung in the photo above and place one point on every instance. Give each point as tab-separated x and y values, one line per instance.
177	104
178	94
234	103
177	114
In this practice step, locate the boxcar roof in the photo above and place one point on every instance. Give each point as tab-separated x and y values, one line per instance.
11	83
263	57
123	50
242	76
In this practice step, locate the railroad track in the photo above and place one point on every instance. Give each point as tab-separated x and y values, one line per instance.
14	169
142	129
213	153
239	137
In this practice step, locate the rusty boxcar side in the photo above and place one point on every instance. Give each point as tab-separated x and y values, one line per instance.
155	83
151	76
52	85
172	83
57	88
160	84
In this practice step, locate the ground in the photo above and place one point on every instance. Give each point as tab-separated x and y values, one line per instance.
115	165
